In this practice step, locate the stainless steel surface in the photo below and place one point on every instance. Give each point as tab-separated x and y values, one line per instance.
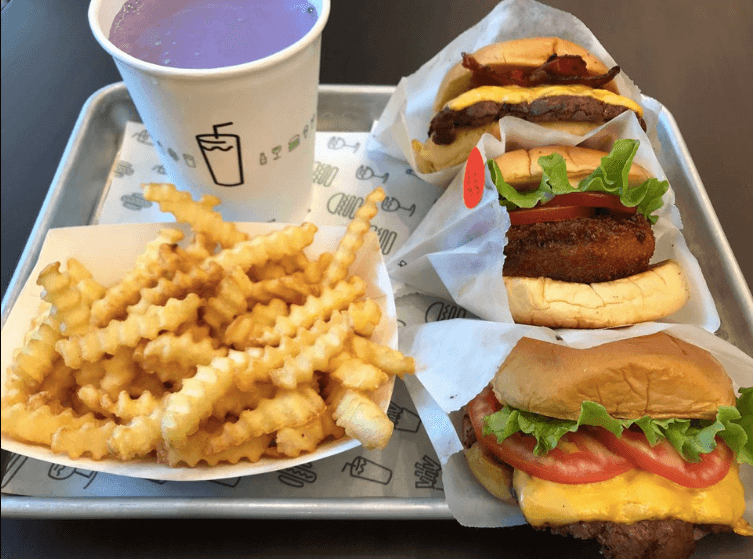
76	193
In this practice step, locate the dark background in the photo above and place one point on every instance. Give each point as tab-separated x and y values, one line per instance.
694	56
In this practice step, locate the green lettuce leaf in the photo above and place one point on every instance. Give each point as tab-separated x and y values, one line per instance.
690	437
610	177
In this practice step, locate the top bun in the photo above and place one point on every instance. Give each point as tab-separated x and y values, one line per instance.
510	55
656	375
520	168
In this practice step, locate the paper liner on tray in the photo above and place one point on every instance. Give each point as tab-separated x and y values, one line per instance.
108	251
410	108
457	253
456	359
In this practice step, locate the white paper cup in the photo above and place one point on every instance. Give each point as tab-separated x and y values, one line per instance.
243	133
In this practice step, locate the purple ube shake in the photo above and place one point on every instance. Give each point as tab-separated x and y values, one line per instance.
209	33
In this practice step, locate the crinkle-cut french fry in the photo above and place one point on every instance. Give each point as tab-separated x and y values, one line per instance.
264	360
186	408
124	407
34	360
148	268
236	401
138	437
197	280
59	383
252	324
292	289
230	300
389	360
293	441
16	391
299	369
199	215
90	372
182	350
289	408
366	316
37	424
262	248
353	238
354	373
120	370
331	299
68	306
90	289
128	332
89	438
171	373
362	419
194	451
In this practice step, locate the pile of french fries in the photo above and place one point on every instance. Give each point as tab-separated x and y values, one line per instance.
226	349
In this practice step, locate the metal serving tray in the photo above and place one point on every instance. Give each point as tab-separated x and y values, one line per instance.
75	196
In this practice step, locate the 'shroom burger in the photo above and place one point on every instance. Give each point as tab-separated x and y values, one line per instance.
636	443
546	80
580	243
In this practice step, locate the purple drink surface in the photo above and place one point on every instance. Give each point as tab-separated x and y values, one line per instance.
202	34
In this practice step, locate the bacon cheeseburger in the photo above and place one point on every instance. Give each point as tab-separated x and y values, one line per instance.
546	80
635	443
580	242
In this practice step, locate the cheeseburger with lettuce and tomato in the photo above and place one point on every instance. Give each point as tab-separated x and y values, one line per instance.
635	443
580	243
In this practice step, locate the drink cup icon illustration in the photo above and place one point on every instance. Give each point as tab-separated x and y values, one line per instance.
222	154
363	468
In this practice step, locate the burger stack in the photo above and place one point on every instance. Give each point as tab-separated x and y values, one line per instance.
636	443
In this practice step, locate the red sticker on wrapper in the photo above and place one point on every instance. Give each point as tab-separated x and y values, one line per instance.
473	181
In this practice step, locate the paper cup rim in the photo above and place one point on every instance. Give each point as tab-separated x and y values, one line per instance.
202	73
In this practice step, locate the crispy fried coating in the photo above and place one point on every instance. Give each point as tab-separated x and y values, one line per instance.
584	250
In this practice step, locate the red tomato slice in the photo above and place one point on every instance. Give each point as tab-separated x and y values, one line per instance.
569	206
665	461
579	458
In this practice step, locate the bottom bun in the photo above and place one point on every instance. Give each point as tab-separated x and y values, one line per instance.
494	476
658	292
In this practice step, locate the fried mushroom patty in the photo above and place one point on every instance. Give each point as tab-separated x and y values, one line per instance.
583	250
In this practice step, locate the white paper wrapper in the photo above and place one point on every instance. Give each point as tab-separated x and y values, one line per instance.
456	252
108	251
410	109
451	373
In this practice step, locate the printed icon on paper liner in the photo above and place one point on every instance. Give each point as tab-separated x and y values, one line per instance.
135	201
363	468
337	142
12	467
441	310
123	169
64	472
324	173
298	476
428	473
403	418
364	173
222	154
392	204
143	137
159	169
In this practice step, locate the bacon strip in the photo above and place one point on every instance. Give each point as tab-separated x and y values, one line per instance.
569	69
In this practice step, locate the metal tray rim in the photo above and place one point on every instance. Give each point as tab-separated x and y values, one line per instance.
16	506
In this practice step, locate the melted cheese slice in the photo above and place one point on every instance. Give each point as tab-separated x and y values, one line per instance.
516	94
630	497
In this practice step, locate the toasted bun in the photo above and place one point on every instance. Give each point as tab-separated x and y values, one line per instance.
658	292
656	375
520	167
431	157
509	55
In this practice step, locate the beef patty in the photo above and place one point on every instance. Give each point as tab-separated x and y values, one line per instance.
444	125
